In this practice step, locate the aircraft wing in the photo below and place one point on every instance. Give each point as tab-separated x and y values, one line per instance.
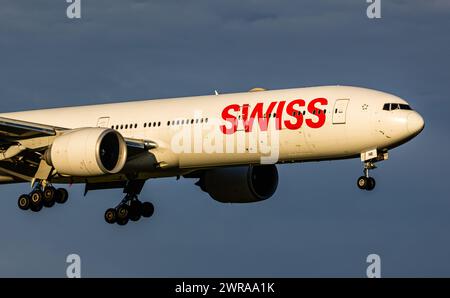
23	143
13	130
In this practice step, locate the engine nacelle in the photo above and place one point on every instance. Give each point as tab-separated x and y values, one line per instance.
244	184
88	152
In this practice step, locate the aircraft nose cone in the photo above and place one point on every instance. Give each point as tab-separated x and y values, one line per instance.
415	123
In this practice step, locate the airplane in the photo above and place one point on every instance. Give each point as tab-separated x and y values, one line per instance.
230	143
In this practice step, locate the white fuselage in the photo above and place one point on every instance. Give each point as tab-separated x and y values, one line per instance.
346	122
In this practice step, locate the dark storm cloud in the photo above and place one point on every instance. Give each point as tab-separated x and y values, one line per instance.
317	224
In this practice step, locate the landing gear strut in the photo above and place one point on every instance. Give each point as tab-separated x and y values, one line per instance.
42	196
130	208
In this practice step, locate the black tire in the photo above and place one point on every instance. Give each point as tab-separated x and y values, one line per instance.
147	209
122	221
36	208
135	211
362	182
122	213
49	196
371	184
24	202
61	195
36	200
111	216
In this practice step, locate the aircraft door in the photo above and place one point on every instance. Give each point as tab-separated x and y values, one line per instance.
103	122
340	111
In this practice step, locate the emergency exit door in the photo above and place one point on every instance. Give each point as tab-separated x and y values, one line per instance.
340	111
103	122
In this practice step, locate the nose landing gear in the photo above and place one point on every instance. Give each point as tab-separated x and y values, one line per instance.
366	182
369	158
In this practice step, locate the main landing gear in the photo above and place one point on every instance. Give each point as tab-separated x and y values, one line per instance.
130	208
42	196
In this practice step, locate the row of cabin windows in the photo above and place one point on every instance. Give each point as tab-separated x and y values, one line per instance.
187	121
197	121
158	124
124	126
304	112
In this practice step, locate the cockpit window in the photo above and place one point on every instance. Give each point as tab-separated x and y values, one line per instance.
405	107
396	106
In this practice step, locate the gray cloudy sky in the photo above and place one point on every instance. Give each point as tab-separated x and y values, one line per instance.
318	223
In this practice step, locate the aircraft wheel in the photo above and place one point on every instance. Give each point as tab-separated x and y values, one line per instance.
122	221
371	184
135	210
49	196
24	202
147	209
362	182
111	215
36	200
61	195
122	213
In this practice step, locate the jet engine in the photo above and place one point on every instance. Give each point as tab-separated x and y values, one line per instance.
243	184
88	152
